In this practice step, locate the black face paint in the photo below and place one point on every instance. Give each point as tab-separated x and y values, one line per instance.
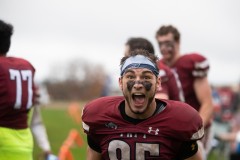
167	45
130	85
147	85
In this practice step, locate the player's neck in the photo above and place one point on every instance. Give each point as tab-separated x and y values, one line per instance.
159	107
147	113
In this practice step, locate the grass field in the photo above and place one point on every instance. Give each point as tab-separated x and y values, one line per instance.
59	122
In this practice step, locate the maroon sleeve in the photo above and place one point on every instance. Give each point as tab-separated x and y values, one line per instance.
199	64
184	122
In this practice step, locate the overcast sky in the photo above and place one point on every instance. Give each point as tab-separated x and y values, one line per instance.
50	32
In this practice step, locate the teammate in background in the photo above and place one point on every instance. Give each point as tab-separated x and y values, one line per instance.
137	125
168	88
17	96
16	100
190	71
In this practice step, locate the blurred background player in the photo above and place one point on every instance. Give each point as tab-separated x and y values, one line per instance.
190	71
16	99
168	88
17	96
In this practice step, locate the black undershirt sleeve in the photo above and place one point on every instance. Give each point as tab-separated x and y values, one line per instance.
93	145
188	149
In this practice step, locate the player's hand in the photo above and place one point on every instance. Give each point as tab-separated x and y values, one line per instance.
51	157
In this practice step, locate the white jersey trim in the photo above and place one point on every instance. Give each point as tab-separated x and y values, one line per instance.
198	135
200	73
202	65
85	126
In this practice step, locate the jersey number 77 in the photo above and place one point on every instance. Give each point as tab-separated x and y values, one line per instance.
19	76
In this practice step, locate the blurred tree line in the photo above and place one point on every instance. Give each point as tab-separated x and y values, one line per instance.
76	80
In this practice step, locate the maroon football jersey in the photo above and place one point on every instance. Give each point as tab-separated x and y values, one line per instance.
159	136
16	91
186	69
168	82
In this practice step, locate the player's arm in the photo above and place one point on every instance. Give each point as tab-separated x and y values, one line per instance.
40	134
195	157
229	136
204	95
93	150
93	155
39	131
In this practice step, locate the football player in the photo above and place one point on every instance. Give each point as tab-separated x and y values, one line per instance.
168	88
16	100
190	71
137	125
17	97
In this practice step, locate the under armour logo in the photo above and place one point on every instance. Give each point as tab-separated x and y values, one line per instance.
151	130
193	147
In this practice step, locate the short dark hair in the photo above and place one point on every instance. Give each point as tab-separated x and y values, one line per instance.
143	52
165	29
6	31
140	43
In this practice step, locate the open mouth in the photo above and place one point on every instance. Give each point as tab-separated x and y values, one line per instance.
138	98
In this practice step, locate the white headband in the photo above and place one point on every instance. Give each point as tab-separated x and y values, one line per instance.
139	61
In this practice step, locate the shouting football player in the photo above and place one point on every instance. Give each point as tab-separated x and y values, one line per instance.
137	125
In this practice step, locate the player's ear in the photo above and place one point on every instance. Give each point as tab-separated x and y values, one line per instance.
158	81
120	83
